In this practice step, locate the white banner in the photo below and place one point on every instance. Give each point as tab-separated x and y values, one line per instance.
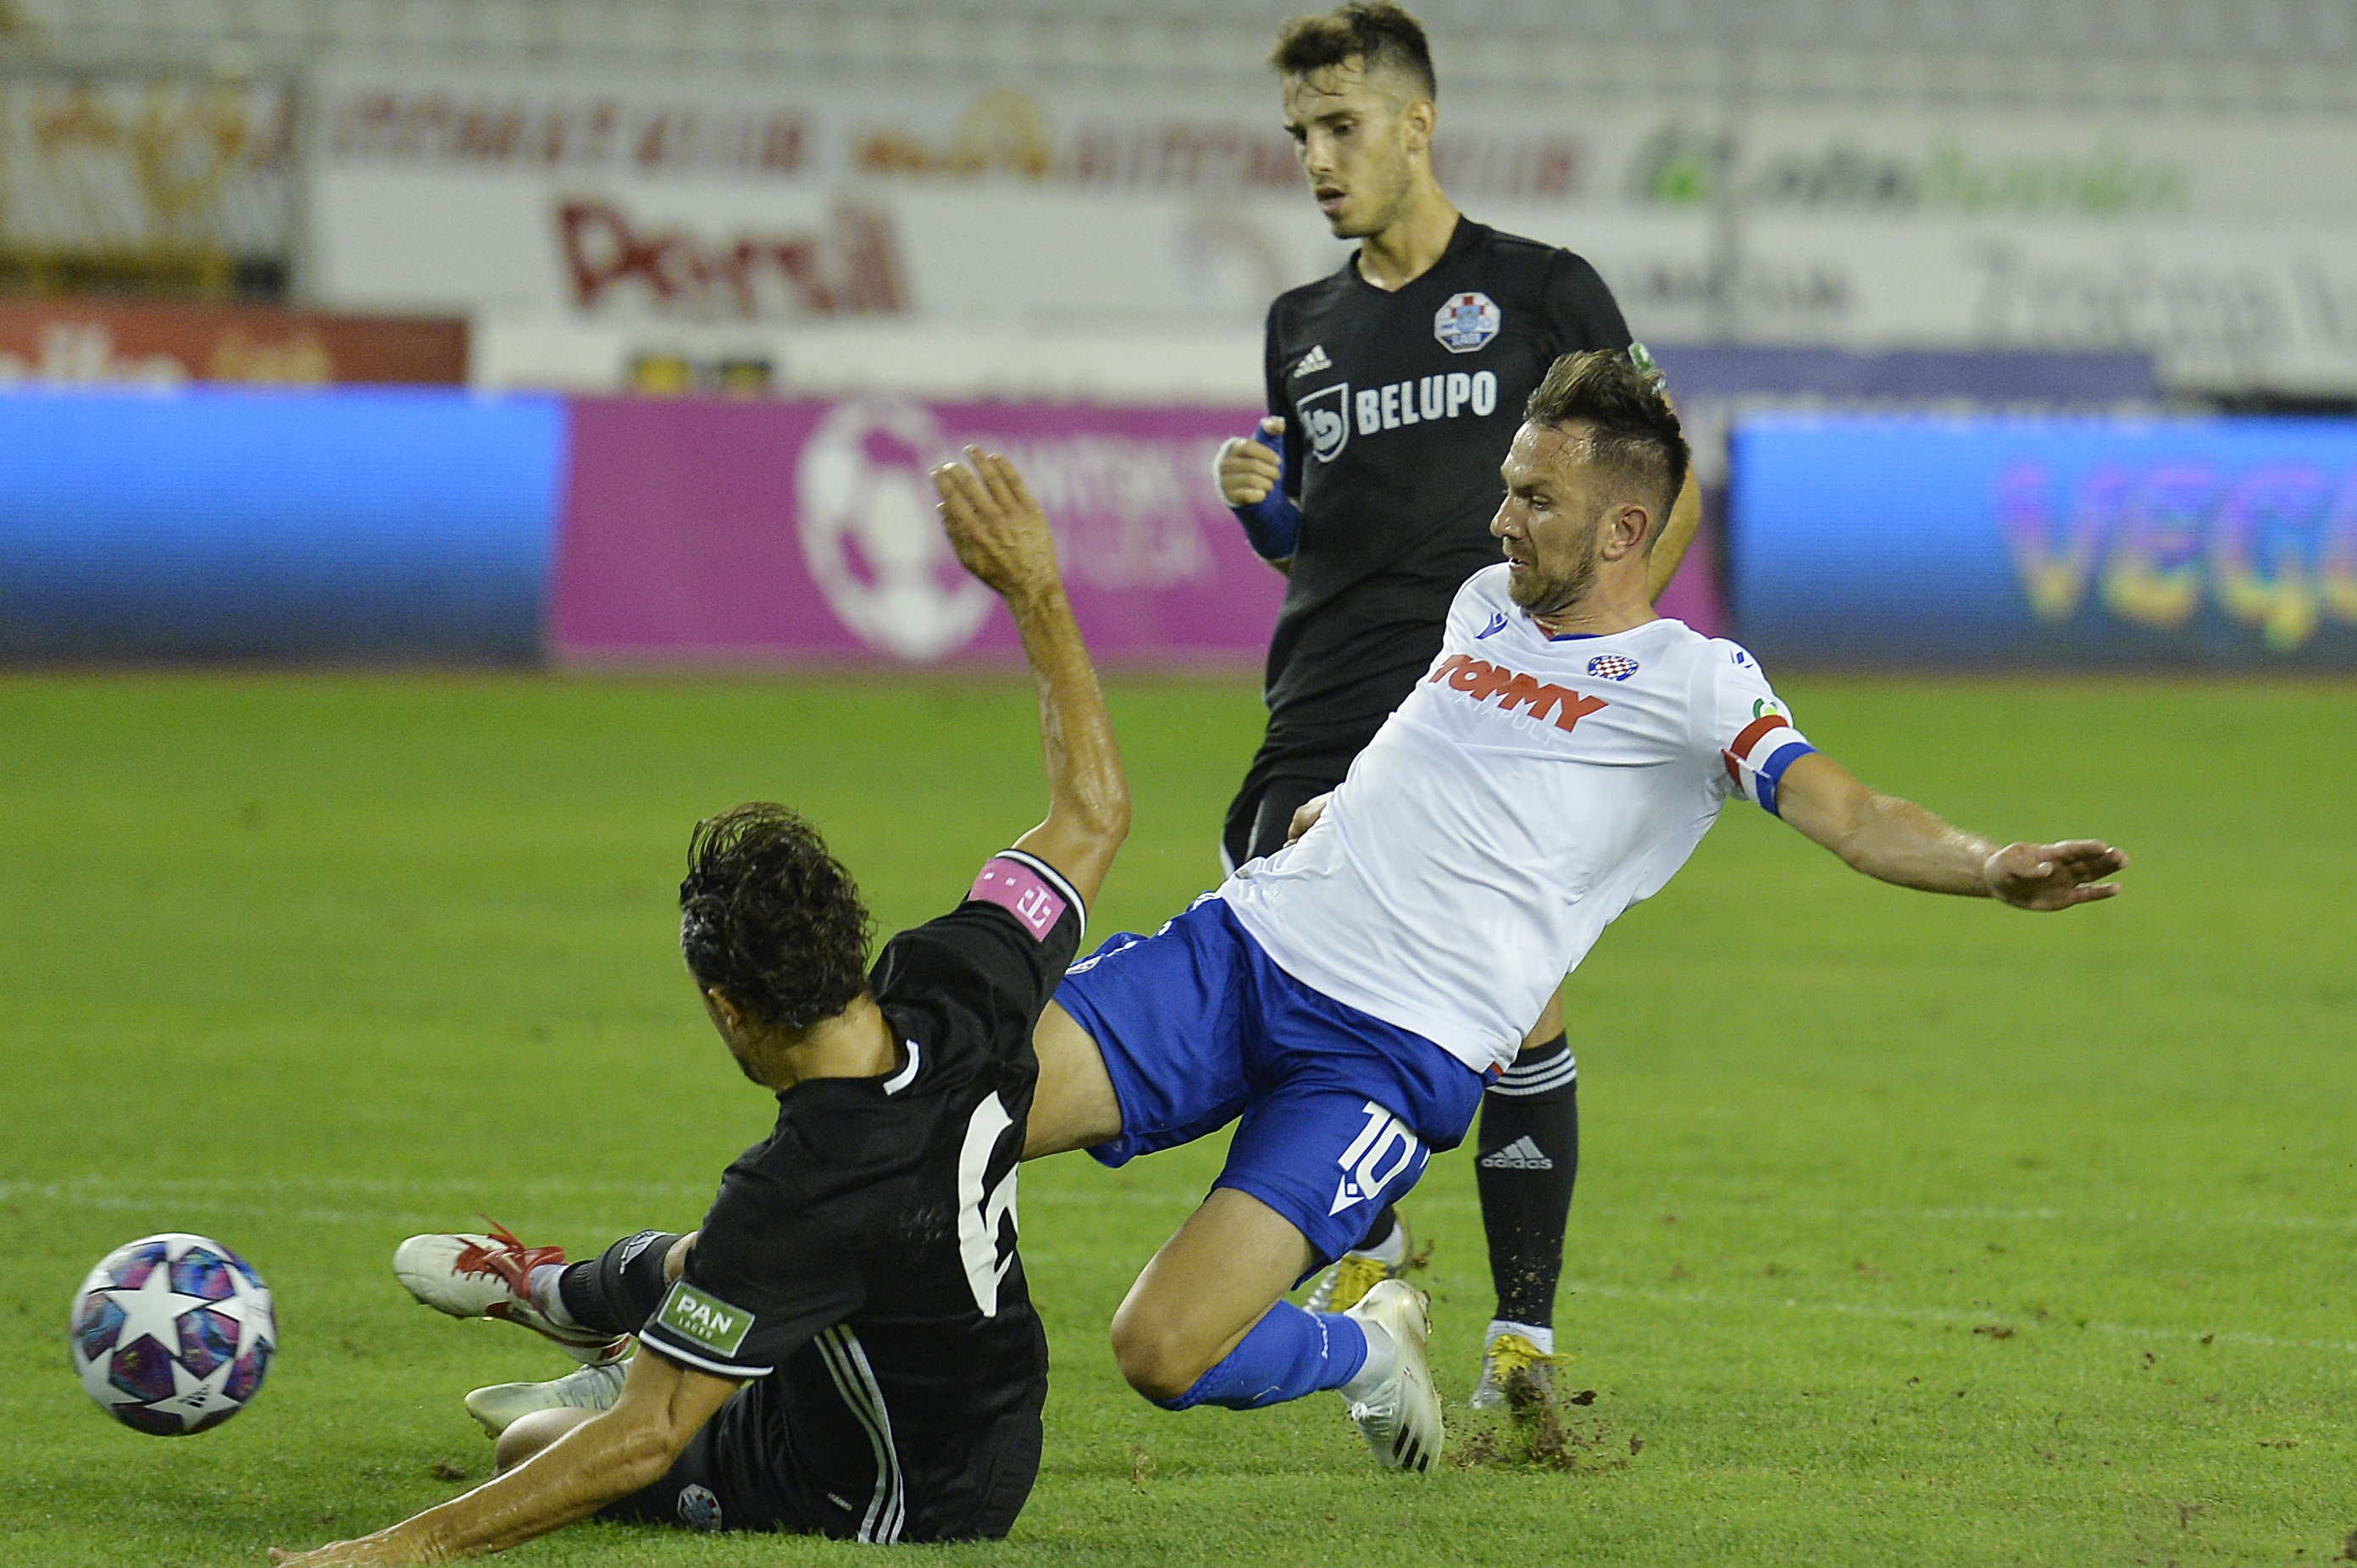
2228	248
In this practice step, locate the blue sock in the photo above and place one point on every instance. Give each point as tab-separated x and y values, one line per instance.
1289	1353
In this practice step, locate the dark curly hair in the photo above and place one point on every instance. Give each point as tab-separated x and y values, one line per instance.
771	919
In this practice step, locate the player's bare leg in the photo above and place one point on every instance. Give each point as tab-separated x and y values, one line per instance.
533	1433
1074	1105
1206	1323
1232	1261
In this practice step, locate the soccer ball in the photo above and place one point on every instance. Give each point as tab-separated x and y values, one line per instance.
173	1333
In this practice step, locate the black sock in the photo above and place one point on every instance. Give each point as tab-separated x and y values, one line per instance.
1379	1230
618	1289
1529	1157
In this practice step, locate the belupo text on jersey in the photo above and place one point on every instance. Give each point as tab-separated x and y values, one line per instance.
1401	403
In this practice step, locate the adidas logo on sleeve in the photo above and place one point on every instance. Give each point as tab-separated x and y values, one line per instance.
1315	359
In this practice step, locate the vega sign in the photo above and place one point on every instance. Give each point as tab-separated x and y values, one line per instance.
1928	541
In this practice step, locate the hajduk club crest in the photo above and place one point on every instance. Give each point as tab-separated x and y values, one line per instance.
1612	666
1466	323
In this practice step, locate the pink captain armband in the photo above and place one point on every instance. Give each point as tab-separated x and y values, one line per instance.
1026	890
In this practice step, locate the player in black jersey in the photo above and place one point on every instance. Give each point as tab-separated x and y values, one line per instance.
1394	388
846	1348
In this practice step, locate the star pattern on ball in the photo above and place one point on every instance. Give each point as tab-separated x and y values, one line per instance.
154	1310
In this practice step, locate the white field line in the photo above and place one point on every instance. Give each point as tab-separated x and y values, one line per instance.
250	1197
113	1192
281	1201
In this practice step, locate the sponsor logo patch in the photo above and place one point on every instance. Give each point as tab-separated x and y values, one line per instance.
1612	666
1402	403
1022	893
1497	624
704	1319
1482	681
1315	359
1326	414
1466	323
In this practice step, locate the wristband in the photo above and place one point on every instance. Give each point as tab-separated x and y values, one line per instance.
1273	523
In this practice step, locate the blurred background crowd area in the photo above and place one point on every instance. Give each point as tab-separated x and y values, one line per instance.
741	268
1086	198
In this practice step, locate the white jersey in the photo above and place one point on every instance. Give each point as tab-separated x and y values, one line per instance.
1527	791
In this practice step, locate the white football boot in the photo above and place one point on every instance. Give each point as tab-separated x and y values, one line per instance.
468	1276
501	1405
1399	1416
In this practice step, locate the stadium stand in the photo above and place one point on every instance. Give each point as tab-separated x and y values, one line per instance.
2287	55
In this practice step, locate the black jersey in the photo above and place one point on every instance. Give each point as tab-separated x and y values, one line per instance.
863	1253
1399	408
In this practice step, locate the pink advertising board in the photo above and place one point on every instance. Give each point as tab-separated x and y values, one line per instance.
760	532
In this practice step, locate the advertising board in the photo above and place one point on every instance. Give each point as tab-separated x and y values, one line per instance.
713	532
86	341
1916	541
668	212
409	524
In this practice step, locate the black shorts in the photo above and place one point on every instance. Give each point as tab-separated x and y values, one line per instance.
781	1455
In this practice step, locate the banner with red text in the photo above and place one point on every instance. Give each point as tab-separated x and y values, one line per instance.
704	221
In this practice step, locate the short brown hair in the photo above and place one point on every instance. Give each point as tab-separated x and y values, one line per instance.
1375	33
1635	430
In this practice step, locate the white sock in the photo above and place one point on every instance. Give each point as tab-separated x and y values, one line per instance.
1391	1252
546	1296
1542	1338
1382	1361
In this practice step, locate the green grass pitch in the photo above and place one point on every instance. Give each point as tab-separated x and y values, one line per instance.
1911	1231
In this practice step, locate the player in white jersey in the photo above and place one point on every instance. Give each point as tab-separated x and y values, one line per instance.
1465	947
1345	999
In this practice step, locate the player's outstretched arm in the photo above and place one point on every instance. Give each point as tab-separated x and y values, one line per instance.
1001	537
1899	842
601	1461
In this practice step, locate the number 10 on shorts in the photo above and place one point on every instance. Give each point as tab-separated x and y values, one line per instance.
1383	1148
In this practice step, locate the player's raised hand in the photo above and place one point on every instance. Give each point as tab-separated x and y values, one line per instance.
2053	876
1249	470
997	530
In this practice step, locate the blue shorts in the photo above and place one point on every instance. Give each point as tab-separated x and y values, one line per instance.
1198	1028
